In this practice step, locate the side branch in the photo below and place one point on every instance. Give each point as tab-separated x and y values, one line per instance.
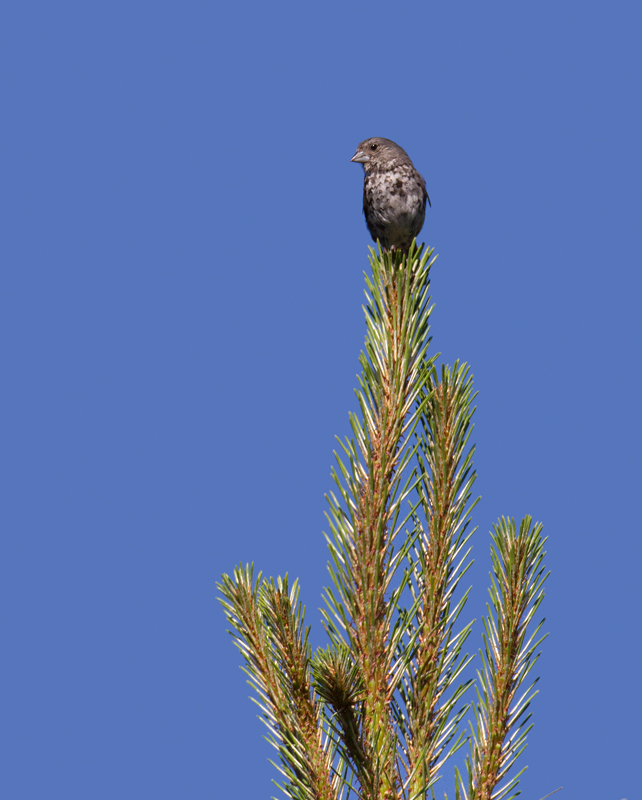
433	687
508	656
269	632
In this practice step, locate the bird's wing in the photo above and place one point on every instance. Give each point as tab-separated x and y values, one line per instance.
426	192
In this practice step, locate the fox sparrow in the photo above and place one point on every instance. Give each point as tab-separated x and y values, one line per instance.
394	193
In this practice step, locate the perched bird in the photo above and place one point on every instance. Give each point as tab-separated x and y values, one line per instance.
394	193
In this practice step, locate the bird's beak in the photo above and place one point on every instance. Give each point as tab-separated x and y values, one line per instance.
360	157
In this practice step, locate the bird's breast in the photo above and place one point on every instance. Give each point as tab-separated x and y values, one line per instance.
393	194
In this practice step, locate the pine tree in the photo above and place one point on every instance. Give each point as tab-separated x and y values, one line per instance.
377	713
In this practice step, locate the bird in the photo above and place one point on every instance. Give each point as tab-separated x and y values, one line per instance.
394	193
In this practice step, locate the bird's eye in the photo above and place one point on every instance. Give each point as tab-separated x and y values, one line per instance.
373	146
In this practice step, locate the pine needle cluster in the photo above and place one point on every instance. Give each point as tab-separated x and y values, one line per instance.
378	712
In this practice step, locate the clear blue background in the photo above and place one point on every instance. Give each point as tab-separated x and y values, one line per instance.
180	312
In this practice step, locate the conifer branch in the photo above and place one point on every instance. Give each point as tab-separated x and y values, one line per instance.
432	688
365	522
508	656
270	633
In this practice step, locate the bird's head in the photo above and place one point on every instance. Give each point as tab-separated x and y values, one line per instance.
380	154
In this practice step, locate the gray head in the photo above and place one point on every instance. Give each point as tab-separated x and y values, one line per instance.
381	154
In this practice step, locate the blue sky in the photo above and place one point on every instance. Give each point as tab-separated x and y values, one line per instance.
180	314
